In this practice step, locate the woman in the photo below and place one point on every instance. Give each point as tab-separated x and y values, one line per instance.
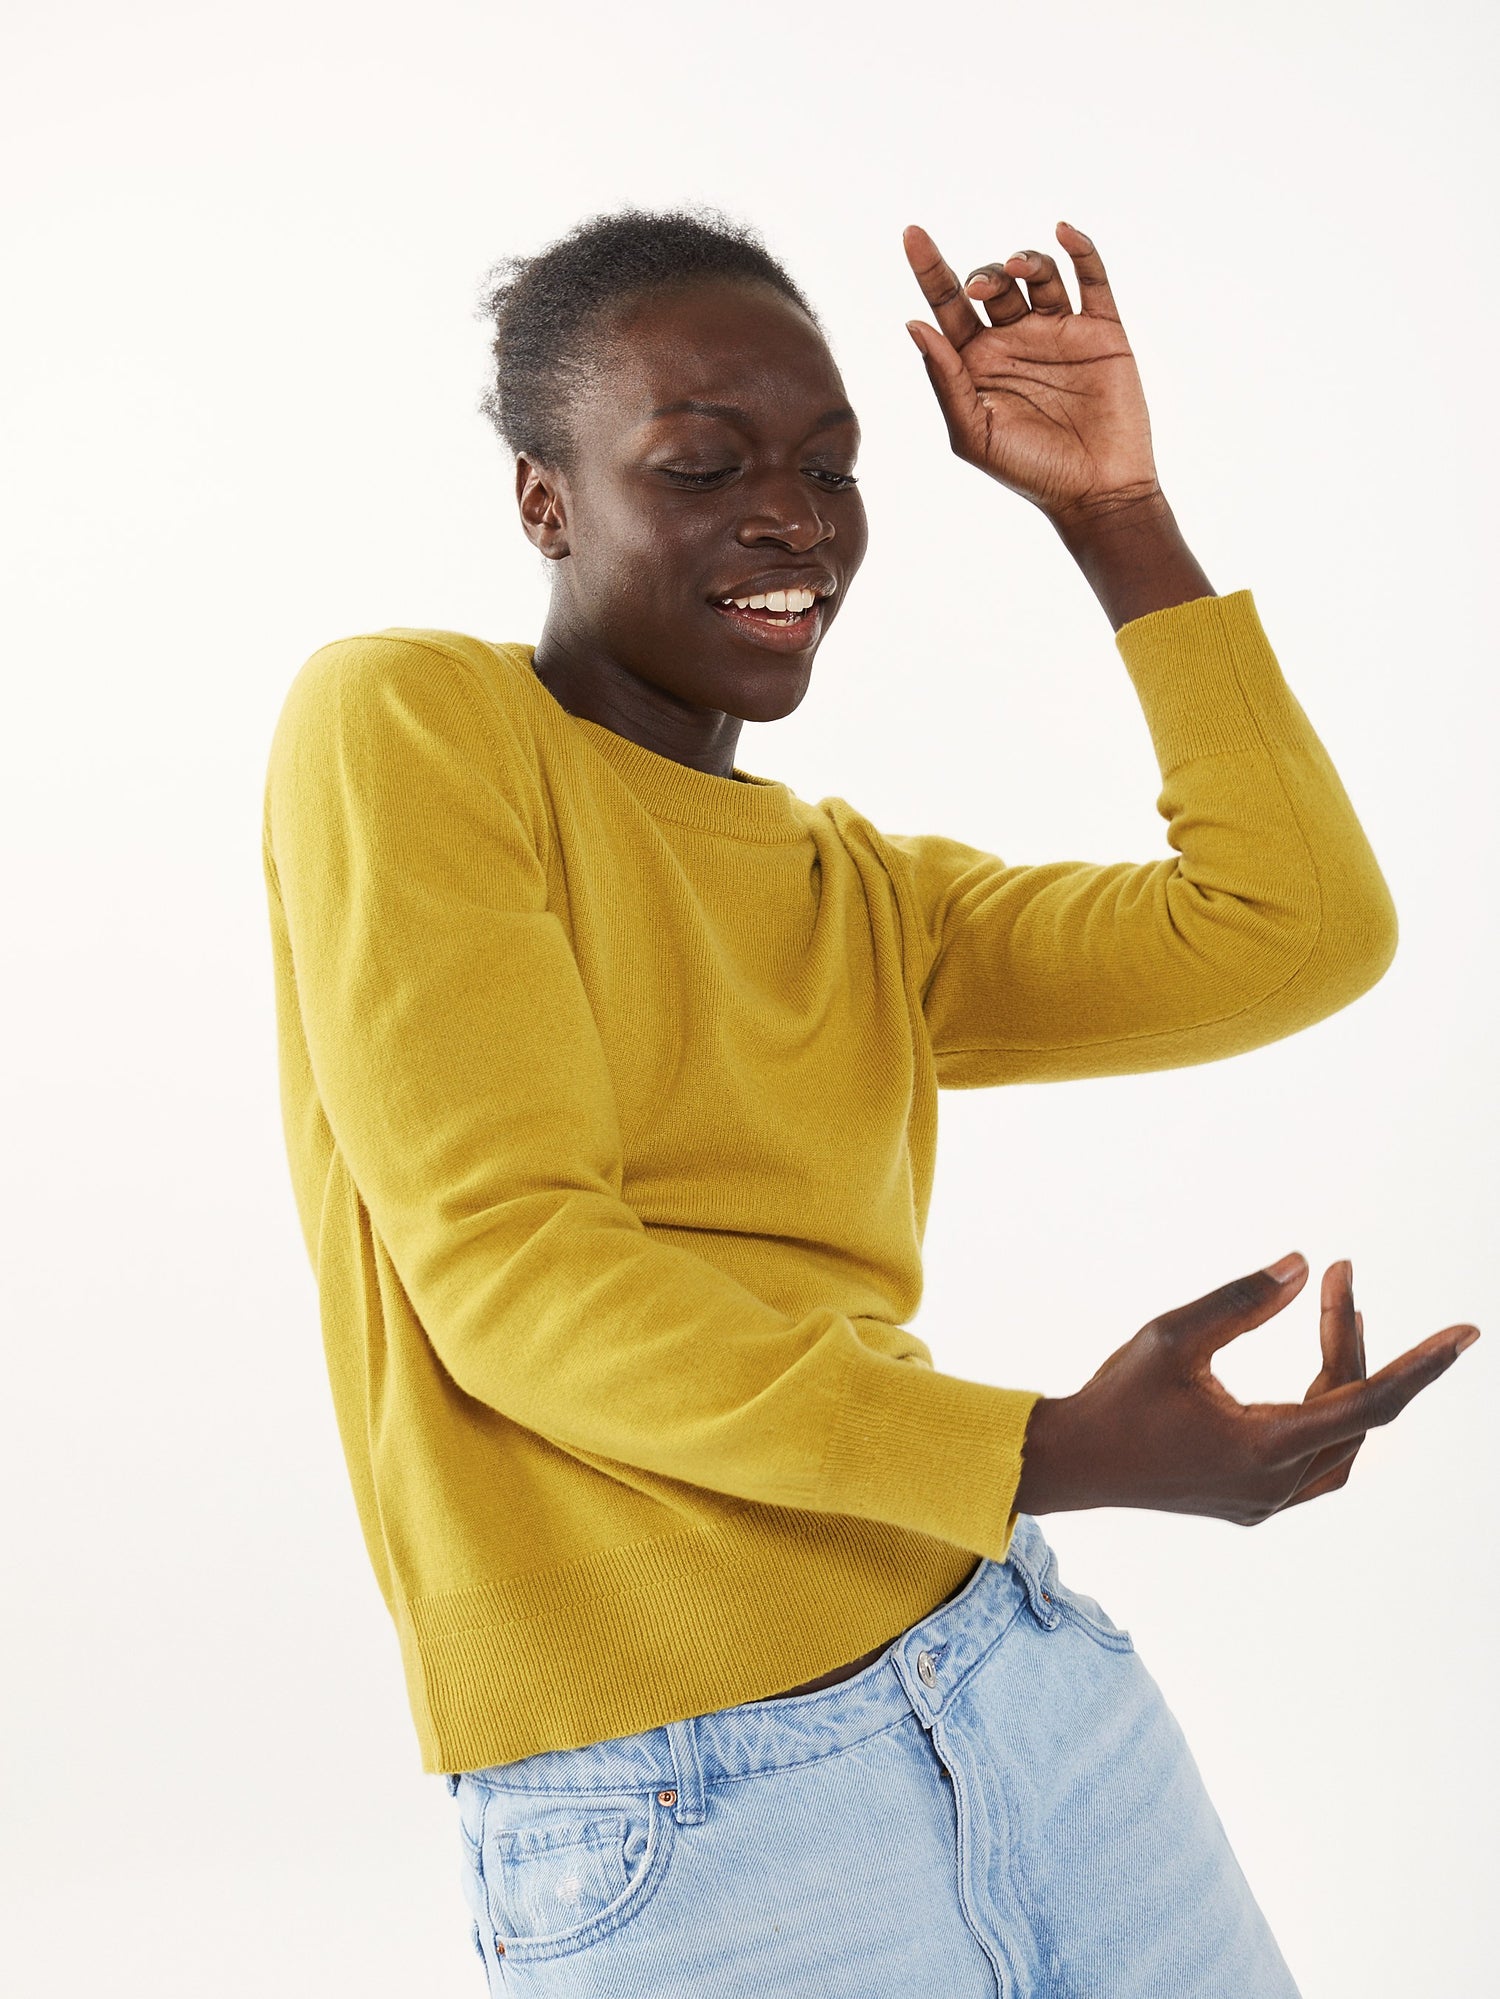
609	1073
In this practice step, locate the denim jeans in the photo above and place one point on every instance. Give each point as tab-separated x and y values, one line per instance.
1002	1806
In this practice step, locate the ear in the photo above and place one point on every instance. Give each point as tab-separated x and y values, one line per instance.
540	497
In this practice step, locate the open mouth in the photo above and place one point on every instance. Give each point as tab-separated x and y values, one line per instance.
779	615
762	616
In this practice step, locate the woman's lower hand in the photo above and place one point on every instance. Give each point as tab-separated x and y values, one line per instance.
1156	1428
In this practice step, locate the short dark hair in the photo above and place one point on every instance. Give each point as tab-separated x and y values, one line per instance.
546	307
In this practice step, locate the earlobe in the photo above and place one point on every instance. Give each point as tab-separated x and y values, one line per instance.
542	511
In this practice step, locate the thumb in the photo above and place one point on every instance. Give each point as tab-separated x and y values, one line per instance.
952	384
1212	1321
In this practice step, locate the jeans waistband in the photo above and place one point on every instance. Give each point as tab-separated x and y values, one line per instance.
921	1671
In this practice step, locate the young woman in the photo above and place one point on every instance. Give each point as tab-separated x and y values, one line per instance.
609	1073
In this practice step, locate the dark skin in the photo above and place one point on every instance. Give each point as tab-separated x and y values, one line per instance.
661	515
631	639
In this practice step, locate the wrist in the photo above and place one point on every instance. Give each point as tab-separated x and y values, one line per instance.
1132	553
1129	507
1049	1481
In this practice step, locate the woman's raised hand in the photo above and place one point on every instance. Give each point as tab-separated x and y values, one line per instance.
1156	1428
1044	398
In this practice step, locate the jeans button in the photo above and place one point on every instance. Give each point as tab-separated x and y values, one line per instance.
926	1671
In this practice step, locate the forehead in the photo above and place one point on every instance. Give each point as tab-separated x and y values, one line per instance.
725	341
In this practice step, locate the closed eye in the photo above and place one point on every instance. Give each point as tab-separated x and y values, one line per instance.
838	481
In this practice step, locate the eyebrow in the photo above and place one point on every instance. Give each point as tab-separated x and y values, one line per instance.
731	414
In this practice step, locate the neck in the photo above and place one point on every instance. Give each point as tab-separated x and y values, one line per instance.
587	681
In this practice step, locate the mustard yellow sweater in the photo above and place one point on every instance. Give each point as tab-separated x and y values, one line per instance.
610	1094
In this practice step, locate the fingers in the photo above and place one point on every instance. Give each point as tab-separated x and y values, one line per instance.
1340	1330
997	291
1336	1321
1212	1321
953	386
940	287
1094	294
1298	1429
996	288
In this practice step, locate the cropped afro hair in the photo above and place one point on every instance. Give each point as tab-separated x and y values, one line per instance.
547	308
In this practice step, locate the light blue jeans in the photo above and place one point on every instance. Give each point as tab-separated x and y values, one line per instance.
1003	1804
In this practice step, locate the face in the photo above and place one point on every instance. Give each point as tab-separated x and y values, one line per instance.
714	454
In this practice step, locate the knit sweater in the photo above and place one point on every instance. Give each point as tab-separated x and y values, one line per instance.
610	1097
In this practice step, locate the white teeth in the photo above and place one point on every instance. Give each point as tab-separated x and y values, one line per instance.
775	600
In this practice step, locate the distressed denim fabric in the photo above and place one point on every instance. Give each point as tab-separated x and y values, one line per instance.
1002	1806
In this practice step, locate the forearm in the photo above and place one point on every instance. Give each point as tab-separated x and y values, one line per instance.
1271	913
1133	555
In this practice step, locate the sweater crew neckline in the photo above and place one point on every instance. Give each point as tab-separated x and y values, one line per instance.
744	806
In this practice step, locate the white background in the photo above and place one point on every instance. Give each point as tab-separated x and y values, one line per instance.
240	368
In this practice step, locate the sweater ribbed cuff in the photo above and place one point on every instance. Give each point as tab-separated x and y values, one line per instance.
1208	681
928	1451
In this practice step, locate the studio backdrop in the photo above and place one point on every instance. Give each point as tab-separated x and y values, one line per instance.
242	381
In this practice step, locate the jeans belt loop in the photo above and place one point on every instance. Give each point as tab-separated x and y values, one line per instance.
1039	1600
682	1737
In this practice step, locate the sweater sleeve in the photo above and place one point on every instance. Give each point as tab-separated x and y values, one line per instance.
1272	915
465	1083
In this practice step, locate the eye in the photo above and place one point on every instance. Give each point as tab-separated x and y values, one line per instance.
839	482
696	478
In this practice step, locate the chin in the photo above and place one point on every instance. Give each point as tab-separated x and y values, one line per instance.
769	697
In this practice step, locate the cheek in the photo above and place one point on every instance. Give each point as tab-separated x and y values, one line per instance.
655	566
854	534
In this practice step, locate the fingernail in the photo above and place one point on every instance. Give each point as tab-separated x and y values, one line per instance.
1467	1339
1284	1267
911	327
1020	257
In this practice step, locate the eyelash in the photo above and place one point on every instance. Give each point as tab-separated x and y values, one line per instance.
843	480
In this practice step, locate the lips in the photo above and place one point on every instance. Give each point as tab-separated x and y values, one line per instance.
776	631
817	580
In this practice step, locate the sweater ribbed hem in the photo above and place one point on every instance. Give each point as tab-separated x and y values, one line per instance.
654	1632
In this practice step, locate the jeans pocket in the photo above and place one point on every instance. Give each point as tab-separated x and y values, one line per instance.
558	1872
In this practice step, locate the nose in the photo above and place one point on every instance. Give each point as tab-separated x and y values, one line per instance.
780	508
